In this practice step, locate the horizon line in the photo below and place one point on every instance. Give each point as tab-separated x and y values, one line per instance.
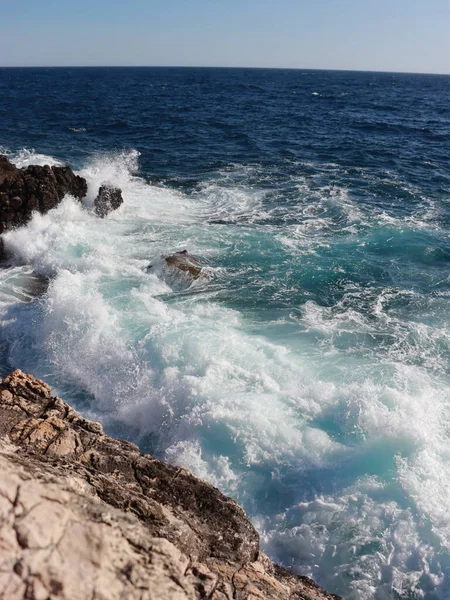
218	67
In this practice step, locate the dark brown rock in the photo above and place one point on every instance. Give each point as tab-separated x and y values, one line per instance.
23	191
8	170
109	198
185	262
140	528
3	253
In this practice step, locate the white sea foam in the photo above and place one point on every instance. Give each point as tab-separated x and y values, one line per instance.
25	158
334	436
232	204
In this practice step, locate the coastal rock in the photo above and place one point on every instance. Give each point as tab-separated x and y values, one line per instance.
83	515
3	253
40	188
109	198
179	270
183	261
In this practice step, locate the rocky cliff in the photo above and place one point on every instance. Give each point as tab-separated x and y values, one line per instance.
84	516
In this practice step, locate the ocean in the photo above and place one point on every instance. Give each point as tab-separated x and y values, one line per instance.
307	375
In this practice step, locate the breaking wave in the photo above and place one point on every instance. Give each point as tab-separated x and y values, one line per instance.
307	377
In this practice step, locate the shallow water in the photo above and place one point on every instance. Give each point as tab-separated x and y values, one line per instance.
308	375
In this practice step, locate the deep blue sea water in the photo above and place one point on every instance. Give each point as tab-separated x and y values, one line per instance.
308	374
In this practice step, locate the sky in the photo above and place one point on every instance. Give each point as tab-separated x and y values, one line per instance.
378	35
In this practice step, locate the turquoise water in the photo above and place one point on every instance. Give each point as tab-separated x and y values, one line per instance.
306	374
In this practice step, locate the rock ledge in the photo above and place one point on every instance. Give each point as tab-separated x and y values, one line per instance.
83	515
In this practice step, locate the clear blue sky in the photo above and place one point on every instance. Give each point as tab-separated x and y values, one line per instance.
386	35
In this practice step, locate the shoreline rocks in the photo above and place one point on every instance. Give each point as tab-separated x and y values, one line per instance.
41	188
83	515
35	188
109	198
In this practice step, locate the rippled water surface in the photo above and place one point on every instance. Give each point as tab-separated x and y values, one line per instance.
307	375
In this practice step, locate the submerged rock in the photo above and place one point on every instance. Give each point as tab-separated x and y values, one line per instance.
179	270
109	198
35	188
83	515
185	262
